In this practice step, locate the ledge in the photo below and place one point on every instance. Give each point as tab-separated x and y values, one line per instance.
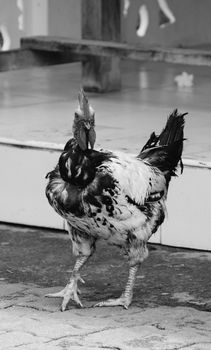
82	47
50	146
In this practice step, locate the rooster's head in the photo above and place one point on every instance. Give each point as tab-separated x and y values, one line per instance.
84	123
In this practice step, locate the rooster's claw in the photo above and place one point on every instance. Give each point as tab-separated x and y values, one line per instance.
124	300
70	292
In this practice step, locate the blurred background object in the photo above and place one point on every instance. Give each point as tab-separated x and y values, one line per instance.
161	23
10	33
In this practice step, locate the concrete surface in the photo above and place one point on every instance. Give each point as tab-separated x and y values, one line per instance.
171	308
38	104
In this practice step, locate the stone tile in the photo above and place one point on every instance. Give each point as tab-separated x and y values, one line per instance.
16	339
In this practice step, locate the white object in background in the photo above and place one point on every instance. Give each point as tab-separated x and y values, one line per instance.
20	17
143	79
6	38
126	7
167	12
143	21
184	80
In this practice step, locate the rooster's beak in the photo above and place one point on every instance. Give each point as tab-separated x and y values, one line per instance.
91	137
86	137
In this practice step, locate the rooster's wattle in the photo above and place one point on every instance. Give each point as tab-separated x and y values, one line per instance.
112	195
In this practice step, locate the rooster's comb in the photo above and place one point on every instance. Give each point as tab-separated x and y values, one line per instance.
84	103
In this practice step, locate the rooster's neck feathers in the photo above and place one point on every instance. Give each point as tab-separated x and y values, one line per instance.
79	167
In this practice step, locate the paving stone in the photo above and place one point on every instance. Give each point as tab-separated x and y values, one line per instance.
16	339
167	313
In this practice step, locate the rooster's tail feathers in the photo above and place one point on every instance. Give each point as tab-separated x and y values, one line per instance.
174	129
165	150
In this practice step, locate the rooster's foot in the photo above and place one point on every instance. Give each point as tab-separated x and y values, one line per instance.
70	292
125	301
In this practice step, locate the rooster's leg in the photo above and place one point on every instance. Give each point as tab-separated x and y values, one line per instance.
83	247
126	298
70	292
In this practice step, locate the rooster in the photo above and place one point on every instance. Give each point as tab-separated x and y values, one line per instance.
112	195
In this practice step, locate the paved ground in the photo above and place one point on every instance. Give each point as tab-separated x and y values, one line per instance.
171	308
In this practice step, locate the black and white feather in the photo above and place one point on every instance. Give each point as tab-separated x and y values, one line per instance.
112	195
116	196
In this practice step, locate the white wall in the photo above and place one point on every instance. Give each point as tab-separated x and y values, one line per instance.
189	210
22	187
35	17
23	201
64	18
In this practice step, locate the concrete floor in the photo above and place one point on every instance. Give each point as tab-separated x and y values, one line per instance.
170	311
38	104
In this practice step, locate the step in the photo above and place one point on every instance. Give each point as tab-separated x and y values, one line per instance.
22	201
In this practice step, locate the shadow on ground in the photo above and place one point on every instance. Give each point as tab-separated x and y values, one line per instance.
43	259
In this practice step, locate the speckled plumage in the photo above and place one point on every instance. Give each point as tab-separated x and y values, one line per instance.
113	204
116	196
